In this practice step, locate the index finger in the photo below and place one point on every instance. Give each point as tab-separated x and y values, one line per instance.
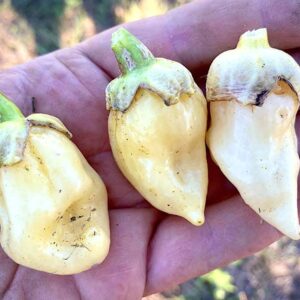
180	251
195	33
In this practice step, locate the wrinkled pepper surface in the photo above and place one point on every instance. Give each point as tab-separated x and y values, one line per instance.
254	97
157	126
53	205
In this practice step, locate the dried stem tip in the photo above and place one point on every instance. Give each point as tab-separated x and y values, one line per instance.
254	39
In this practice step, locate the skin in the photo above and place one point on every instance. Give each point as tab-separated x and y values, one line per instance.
150	251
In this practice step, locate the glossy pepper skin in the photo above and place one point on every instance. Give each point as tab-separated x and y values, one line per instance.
253	92
53	205
157	126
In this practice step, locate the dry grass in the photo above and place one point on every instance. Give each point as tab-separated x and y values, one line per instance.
32	27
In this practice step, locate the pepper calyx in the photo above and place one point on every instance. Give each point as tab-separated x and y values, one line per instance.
45	120
13	136
15	128
140	69
246	74
166	78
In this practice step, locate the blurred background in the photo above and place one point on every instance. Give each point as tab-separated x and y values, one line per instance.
34	27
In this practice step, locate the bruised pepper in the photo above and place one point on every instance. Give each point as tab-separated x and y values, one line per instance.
254	97
157	125
53	205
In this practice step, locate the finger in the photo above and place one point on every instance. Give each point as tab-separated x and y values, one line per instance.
34	285
123	273
7	271
197	32
180	251
67	85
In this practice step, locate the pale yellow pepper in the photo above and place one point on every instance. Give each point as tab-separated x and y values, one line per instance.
53	205
157	126
254	97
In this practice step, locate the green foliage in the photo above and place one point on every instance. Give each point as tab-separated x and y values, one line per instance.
221	284
102	12
44	17
73	3
216	285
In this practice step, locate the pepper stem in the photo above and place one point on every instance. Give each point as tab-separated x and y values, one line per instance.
8	110
130	52
254	39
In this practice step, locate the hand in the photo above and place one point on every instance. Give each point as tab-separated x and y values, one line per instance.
150	251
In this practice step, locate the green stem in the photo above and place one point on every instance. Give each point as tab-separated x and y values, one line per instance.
8	110
129	51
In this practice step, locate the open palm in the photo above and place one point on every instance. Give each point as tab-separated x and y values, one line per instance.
150	251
